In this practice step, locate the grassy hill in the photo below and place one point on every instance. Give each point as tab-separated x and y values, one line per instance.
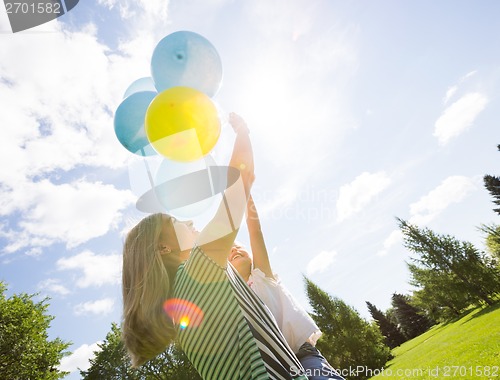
466	349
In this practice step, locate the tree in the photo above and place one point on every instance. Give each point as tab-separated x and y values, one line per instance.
25	350
472	271
439	293
492	240
393	336
492	184
112	362
170	364
411	320
348	340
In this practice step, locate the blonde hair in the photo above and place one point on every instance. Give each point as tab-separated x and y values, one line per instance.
146	284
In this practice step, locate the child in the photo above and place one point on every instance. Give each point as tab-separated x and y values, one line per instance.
297	326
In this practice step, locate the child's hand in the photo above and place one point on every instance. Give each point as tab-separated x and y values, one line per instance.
239	125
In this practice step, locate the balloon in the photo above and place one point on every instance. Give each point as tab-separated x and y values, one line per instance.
190	197
182	124
141	172
129	123
141	84
187	191
186	59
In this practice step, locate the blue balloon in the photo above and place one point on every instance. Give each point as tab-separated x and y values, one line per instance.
141	84
129	123
177	199
186	190
186	59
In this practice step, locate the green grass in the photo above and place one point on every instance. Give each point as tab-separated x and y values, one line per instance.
468	348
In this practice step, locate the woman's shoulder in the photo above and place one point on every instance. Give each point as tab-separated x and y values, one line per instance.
201	268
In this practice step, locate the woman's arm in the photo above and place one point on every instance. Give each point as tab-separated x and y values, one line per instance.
217	238
257	243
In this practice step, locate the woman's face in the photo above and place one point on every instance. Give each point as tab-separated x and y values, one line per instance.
186	234
178	236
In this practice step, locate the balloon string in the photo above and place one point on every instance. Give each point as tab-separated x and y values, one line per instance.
150	176
210	175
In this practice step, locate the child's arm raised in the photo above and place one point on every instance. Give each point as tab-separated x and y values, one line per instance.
257	243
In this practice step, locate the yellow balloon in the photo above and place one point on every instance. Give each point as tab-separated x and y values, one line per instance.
182	124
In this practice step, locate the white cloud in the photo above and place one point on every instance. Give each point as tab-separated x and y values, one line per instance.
4	22
452	90
57	118
449	94
321	262
56	113
145	22
99	307
392	239
146	14
468	75
453	189
71	213
96	270
459	116
34	252
54	286
79	359
360	192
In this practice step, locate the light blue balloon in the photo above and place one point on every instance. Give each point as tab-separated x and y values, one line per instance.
141	84
174	198
129	123
186	59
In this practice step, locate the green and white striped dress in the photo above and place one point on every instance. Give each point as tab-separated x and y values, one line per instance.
227	332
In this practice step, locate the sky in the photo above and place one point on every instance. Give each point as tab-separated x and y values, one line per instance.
360	113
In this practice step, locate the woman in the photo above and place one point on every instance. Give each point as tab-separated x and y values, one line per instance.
173	291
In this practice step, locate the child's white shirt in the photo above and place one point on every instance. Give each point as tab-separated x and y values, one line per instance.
294	322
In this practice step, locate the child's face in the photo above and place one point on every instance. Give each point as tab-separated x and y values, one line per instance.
241	260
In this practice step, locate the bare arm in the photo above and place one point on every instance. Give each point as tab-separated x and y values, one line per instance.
218	236
257	243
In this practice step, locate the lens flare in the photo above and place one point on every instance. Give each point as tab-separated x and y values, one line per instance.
184	322
183	313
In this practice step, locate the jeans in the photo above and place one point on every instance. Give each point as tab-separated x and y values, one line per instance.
315	364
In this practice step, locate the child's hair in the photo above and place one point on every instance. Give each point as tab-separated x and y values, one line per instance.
146	329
